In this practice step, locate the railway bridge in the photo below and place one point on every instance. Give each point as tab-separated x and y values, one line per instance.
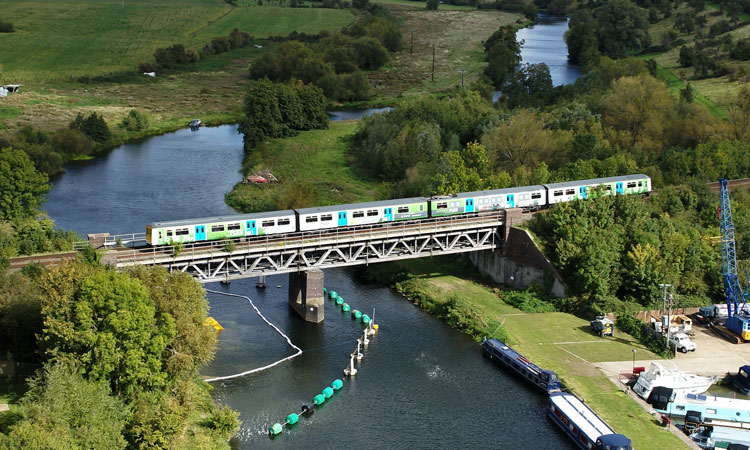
303	255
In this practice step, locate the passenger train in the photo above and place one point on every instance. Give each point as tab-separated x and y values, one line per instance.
529	198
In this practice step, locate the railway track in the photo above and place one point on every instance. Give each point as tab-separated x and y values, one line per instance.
732	185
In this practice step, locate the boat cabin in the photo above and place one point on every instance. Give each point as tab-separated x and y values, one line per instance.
742	380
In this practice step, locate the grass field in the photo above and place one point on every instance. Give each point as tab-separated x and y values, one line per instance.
316	160
63	40
558	341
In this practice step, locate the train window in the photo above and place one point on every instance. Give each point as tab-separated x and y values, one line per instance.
326	217
607	187
443	205
181	231
570	191
310	219
640	184
233	226
631	184
268	223
558	193
421	207
372	212
169	233
283	222
536	195
217	228
358	214
403	209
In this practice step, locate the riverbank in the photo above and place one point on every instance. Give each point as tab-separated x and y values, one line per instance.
556	341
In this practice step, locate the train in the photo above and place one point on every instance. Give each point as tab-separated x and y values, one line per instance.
528	198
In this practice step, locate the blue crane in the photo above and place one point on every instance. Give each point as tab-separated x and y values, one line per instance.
738	320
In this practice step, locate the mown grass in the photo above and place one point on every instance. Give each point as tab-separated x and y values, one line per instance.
423	5
68	39
558	341
315	162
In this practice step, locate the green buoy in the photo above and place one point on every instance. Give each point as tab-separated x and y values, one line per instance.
325	291
337	384
339	301
333	294
328	392
292	418
357	314
275	429
319	399
365	319
345	307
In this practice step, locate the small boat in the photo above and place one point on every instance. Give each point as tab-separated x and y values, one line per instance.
195	123
582	424
497	351
721	437
681	382
705	410
742	380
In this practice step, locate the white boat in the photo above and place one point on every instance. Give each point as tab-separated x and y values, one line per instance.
195	123
682	383
720	437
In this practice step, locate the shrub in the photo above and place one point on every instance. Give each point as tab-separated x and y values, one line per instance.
135	121
72	142
527	301
6	27
432	5
147	67
239	39
93	126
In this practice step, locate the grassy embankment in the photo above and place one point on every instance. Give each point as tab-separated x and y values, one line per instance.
558	341
713	93
56	43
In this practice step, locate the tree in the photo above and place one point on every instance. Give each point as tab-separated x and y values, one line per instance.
583	44
432	5
64	410
520	140
72	142
93	126
636	110
107	323
739	115
623	28
22	188
262	116
502	53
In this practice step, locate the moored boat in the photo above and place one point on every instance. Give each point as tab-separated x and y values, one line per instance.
497	351
582	424
675	379
742	380
721	437
712	410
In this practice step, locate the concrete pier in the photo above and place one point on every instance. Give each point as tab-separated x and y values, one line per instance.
306	294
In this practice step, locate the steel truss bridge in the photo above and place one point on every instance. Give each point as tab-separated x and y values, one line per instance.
295	252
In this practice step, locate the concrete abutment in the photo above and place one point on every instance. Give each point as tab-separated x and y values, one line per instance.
306	296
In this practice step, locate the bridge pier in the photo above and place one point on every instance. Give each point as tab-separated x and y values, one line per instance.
306	294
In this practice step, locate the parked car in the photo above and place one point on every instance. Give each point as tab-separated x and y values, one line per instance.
682	342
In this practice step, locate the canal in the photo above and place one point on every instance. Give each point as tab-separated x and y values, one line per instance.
421	384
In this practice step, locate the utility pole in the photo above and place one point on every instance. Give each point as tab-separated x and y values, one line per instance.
462	72
433	62
664	309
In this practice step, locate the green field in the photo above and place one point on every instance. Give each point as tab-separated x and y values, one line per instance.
315	161
55	40
557	341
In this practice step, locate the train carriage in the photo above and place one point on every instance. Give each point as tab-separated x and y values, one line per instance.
215	228
527	197
582	189
354	214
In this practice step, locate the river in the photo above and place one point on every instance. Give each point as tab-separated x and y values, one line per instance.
421	384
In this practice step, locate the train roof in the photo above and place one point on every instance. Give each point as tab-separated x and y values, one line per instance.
580	415
365	205
229	218
512	190
595	181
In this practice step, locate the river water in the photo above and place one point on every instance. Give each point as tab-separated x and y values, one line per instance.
421	384
544	42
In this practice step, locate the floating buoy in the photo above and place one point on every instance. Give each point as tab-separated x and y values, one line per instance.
327	392
356	314
337	384
345	307
324	291
211	322
275	429
292	418
365	319
339	301
375	327
307	409
333	294
319	399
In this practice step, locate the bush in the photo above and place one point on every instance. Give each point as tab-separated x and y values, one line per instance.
72	143
93	126
6	27
135	121
147	67
527	302
432	5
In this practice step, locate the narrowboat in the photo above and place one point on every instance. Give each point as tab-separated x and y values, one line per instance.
497	351
721	437
713	410
582	425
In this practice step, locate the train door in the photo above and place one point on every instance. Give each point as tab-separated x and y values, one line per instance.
252	228
618	188
200	232
582	191
342	218
469	205
388	214
510	201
